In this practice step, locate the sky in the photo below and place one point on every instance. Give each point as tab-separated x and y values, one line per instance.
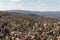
33	5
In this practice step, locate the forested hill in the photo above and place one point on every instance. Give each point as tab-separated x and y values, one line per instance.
21	16
54	14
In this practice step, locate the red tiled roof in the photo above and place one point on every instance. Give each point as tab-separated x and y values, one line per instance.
58	37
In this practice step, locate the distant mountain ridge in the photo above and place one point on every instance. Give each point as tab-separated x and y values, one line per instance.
53	14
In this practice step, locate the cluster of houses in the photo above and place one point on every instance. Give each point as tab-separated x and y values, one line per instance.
36	31
26	30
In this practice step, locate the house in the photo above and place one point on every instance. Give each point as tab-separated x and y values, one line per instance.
58	37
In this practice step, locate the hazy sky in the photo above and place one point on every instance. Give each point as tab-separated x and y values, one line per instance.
35	5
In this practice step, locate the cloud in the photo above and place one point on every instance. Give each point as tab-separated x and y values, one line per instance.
39	1
15	0
12	6
34	6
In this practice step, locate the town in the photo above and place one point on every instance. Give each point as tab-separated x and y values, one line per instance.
15	26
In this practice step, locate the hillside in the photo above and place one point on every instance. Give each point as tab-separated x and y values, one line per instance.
28	26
